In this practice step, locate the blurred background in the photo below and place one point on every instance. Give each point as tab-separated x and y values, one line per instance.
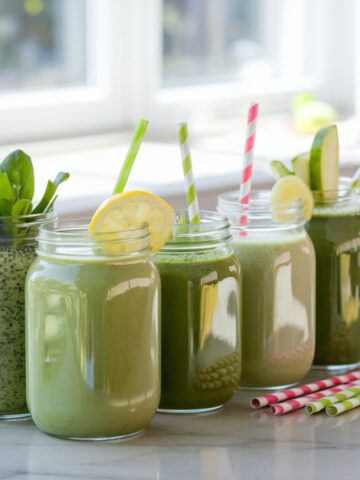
75	76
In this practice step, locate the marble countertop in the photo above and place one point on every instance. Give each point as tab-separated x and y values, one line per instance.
235	443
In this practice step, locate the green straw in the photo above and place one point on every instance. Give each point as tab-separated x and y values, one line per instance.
131	155
319	405
345	406
191	197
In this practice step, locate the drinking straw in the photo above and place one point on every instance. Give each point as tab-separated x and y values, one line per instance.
355	181
246	175
130	156
264	400
315	407
342	407
191	197
295	404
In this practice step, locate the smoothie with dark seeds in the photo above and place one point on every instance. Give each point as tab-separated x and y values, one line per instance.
14	264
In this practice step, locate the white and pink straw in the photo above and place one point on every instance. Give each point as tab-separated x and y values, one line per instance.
264	400
246	175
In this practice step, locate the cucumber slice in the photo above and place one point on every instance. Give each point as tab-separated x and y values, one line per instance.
301	166
279	169
289	189
324	160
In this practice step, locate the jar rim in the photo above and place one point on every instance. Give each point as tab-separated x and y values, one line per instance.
259	201
259	214
213	230
342	194
30	219
72	238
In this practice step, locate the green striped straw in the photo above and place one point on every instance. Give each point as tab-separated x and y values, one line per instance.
342	407
319	405
130	156
191	197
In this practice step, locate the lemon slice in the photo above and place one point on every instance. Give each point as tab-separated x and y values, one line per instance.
129	210
287	190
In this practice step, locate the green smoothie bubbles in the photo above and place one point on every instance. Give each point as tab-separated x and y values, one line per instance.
200	315
278	300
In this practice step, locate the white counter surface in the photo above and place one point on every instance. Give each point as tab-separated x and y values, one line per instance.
235	443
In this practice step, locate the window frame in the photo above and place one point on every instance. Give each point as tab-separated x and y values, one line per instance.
74	110
125	72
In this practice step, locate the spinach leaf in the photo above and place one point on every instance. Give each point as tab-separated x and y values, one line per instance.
19	169
47	200
5	207
21	207
6	190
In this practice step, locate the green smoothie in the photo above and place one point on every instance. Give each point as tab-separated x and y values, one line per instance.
200	329
335	232
92	345
14	264
278	335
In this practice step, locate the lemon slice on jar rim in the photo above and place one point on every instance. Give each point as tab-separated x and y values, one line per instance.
133	209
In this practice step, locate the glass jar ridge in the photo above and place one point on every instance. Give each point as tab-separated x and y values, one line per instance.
73	238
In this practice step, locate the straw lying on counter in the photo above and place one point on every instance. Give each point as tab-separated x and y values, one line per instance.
296	403
264	400
344	406
319	405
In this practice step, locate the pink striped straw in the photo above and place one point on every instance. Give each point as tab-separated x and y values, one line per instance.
295	404
246	176
264	400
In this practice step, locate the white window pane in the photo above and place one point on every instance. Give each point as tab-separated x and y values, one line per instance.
42	44
224	40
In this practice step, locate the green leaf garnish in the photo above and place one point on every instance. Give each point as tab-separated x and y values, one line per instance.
19	169
22	206
48	197
17	185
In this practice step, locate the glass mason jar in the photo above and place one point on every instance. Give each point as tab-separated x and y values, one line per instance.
335	232
200	316
17	252
92	333
278	308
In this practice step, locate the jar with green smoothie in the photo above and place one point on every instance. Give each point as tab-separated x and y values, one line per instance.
335	232
200	282
278	307
17	252
92	320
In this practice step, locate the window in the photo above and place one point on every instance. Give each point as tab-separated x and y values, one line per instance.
42	44
226	40
75	67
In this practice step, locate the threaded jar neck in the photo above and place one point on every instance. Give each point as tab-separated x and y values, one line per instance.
73	239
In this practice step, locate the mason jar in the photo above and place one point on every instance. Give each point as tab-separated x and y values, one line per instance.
200	282
335	232
17	252
92	323
278	308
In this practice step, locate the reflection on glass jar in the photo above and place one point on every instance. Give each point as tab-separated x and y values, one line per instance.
92	333
17	252
278	308
200	317
335	232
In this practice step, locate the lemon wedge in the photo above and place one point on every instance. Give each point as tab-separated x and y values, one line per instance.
129	210
287	190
